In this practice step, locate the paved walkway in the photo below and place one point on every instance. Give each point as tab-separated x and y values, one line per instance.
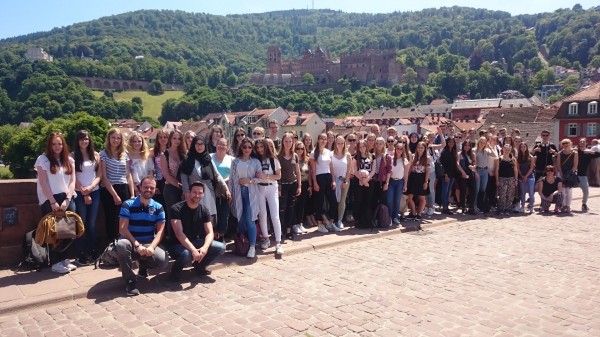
524	275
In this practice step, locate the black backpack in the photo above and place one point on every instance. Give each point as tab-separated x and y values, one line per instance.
36	256
108	258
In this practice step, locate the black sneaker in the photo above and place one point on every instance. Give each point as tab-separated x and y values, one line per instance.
131	289
143	272
410	216
584	208
83	261
201	271
418	218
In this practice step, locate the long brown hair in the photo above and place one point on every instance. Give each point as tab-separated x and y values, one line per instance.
156	151
63	157
422	159
77	154
181	149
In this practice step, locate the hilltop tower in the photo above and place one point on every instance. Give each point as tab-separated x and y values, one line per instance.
274	60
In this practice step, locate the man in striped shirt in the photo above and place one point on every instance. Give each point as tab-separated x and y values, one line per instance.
141	225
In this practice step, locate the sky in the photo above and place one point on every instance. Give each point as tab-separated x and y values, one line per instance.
20	17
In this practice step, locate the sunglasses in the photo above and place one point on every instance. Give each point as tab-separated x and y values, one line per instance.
300	148
247	147
240	135
351	140
390	141
257	133
549	170
546	135
565	143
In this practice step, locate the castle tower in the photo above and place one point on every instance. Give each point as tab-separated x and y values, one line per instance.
274	60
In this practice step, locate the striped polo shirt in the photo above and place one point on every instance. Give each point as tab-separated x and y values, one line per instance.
142	219
116	169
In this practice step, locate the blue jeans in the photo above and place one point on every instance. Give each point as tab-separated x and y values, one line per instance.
246	224
481	185
183	256
88	214
585	187
446	191
529	187
394	196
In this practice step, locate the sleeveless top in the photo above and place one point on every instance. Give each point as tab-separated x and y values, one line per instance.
340	166
506	168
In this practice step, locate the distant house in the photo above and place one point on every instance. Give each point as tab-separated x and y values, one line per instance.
471	109
529	120
304	122
578	116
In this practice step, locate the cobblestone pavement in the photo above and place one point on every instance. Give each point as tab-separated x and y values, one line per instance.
528	275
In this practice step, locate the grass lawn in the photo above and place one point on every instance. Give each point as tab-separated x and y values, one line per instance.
5	172
152	104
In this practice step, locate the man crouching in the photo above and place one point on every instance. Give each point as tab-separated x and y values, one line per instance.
194	235
141	225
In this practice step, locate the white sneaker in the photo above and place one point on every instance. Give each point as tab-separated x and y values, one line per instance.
265	244
340	225
251	252
296	229
60	268
335	228
322	229
279	249
302	229
430	211
67	263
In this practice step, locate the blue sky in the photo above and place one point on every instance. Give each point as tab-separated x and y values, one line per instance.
21	17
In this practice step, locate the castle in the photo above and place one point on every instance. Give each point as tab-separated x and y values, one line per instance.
367	66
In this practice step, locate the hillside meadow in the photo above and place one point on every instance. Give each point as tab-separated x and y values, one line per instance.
152	104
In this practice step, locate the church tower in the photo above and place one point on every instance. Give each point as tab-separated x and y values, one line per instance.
274	60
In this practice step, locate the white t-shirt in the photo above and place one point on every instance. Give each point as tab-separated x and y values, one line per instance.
268	170
340	166
58	182
88	173
322	164
398	170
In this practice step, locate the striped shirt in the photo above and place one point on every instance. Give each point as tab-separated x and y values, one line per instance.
115	168
142	219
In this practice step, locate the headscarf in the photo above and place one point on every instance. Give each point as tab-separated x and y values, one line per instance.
203	158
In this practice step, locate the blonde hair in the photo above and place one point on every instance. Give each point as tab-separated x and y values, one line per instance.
121	149
144	150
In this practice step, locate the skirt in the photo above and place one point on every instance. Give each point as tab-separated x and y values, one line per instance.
415	184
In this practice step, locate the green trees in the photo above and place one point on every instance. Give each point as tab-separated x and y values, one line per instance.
155	88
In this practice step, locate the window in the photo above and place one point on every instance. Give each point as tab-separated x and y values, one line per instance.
573	109
572	129
592	108
592	129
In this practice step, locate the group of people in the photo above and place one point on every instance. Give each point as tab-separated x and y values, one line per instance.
183	196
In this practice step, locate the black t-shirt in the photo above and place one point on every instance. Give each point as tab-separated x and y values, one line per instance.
192	220
544	157
548	188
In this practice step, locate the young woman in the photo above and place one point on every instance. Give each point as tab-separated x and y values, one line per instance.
139	163
242	185
117	184
342	167
390	142
303	208
413	140
448	159
371	137
384	169
492	187
160	145
268	192
324	186
418	184
216	133
87	201
56	183
238	135
189	136
363	161
566	161
466	167
585	158
330	140
397	178
170	160
526	164
222	162
198	166
550	190
483	153
308	143
507	175
433	150
289	187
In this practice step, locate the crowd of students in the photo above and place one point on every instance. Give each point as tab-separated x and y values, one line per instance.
288	184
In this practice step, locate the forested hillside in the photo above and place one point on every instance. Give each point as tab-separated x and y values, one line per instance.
469	51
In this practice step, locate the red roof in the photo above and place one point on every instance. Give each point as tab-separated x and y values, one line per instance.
588	94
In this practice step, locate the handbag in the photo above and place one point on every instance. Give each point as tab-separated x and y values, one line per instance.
570	178
439	169
241	244
66	226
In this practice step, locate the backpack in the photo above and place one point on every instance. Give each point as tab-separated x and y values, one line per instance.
241	244
108	258
382	216
36	256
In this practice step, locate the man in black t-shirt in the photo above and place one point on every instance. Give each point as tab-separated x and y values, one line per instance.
193	234
543	153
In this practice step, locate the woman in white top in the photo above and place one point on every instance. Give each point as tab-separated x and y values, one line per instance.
117	185
397	178
56	176
222	162
139	163
324	185
342	165
87	202
268	191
